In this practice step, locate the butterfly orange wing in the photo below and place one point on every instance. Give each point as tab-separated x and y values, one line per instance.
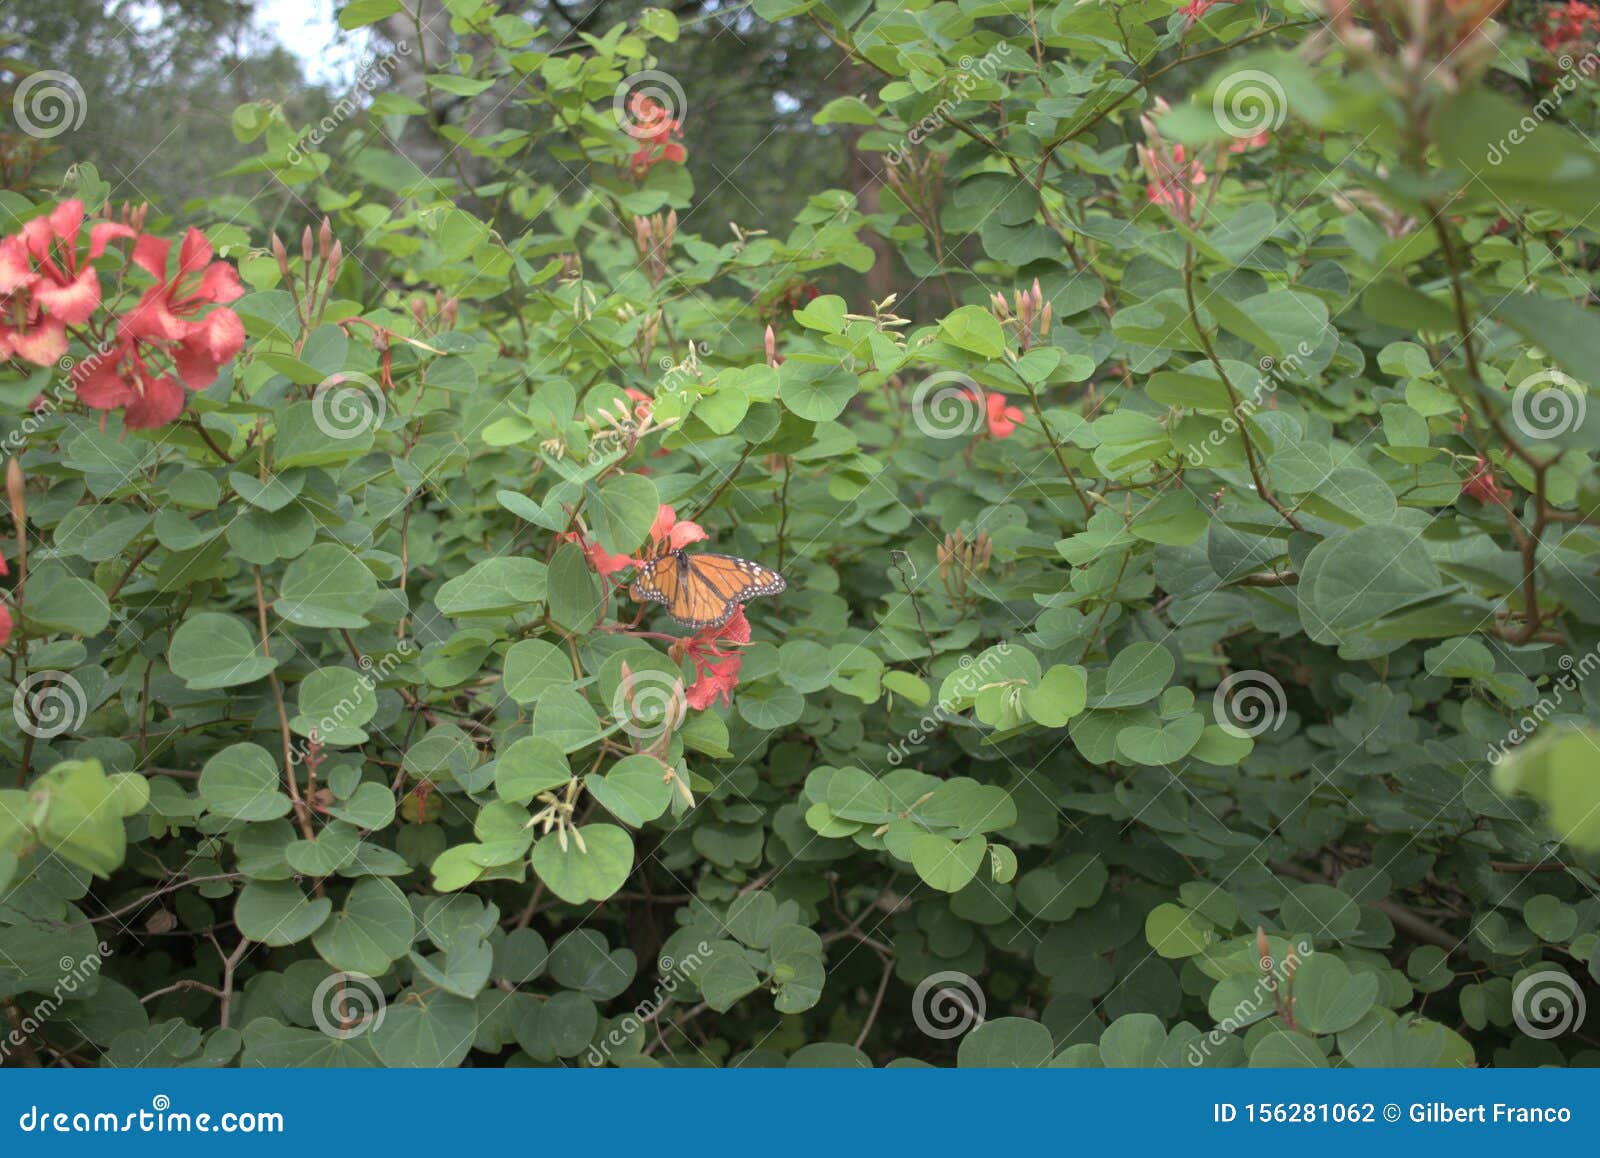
704	590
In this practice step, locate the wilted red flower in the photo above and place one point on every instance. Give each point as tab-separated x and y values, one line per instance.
716	668
1483	486
46	286
1003	417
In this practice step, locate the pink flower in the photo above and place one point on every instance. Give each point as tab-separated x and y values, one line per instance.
716	668
1003	417
46	286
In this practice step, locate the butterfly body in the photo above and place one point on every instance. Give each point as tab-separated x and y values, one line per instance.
703	590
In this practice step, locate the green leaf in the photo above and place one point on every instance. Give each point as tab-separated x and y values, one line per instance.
634	790
576	602
277	913
1327	997
624	512
532	667
372	929
216	651
327	587
589	874
945	864
975	329
496	586
242	782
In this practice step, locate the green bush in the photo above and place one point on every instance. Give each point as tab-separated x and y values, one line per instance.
1190	573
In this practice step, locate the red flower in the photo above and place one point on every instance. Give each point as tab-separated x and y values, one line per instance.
654	129
642	403
1003	417
1244	144
1483	486
673	534
716	668
1568	23
5	624
44	284
163	346
1196	9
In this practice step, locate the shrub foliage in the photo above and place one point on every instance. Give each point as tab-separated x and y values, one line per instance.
1191	572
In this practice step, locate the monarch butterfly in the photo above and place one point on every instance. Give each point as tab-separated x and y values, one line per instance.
703	590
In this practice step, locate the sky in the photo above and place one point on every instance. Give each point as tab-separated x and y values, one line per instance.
310	30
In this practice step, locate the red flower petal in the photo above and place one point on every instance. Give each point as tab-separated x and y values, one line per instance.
43	344
103	234
161	402
150	255
15	270
195	253
74	302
